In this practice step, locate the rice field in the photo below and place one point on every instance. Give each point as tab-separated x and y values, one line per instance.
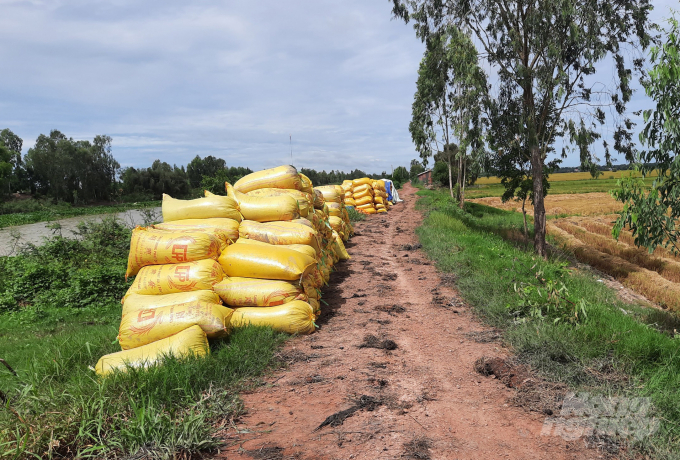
561	177
656	276
582	224
576	204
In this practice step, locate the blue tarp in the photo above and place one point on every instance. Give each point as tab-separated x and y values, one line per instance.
388	188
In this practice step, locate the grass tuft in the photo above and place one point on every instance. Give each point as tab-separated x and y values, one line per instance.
354	215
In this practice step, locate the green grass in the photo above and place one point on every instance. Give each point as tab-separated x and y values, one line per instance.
556	188
59	313
638	344
354	215
32	211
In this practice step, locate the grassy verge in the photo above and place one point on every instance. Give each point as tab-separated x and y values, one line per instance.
59	312
618	349
43	212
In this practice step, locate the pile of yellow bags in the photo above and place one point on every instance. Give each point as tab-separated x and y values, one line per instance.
380	196
259	255
366	195
334	197
276	270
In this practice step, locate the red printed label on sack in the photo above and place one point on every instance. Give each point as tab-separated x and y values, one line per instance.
179	252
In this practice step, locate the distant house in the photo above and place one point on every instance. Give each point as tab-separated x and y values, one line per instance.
425	177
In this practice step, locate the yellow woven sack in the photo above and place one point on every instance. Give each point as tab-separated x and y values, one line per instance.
379	200
138	328
279	177
306	183
335	209
363	200
378	184
379	206
136	302
252	292
296	317
158	247
303	248
270	262
319	200
316	307
280	233
305	200
339	247
304	221
347	185
331	193
370	210
191	341
184	277
265	209
362	181
350	202
337	224
366	206
362	190
200	208
224	229
381	210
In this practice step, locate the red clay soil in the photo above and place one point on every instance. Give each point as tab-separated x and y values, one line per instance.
421	400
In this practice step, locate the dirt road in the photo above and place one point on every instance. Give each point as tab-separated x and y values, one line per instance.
415	396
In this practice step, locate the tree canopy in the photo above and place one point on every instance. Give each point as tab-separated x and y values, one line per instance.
72	171
448	103
653	215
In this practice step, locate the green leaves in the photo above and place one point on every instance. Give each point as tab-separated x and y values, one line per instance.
653	216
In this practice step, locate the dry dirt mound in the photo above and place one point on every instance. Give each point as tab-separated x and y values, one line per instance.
391	372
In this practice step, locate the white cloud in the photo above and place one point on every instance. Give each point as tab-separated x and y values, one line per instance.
171	79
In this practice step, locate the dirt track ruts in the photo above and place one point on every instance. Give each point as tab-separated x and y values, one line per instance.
430	401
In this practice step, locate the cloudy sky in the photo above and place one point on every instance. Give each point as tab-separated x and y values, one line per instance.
171	79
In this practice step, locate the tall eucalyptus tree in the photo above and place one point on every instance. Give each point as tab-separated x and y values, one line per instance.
546	51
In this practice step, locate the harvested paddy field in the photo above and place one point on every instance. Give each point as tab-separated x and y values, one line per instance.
576	204
589	239
586	232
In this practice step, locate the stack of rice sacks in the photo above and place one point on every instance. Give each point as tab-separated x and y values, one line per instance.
334	196
171	307
380	196
362	193
348	188
284	253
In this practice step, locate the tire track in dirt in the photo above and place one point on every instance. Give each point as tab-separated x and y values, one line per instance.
422	399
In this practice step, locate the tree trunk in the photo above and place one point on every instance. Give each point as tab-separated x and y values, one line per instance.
461	184
539	208
458	178
450	178
524	214
536	165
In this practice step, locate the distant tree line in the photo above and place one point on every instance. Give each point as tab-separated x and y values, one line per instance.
337	177
62	169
